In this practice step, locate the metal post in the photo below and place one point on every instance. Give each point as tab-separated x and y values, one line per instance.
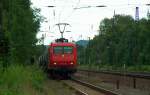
89	55
117	84
134	82
137	13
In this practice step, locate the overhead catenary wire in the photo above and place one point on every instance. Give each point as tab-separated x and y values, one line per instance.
77	4
68	14
61	11
128	4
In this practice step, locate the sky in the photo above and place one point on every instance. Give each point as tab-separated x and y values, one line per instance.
84	22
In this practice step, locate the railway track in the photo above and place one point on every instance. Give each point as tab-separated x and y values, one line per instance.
84	88
124	83
145	75
77	90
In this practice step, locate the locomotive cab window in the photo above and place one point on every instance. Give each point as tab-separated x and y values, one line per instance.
68	50
63	50
58	50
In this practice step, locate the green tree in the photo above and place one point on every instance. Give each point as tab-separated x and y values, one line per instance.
121	40
20	23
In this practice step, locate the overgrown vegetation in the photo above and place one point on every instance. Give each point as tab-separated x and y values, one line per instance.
19	24
122	42
21	80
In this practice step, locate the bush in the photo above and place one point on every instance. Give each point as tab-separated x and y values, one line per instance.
17	79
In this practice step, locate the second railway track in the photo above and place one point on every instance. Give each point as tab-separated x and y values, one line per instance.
84	88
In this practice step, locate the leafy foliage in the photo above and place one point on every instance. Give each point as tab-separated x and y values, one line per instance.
121	40
21	80
20	24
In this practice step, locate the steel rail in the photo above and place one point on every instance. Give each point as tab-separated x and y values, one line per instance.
77	91
100	89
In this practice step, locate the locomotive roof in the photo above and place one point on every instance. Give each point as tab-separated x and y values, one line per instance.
62	44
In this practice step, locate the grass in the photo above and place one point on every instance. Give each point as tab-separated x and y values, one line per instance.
29	80
21	80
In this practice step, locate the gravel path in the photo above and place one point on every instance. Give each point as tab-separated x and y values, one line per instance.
56	87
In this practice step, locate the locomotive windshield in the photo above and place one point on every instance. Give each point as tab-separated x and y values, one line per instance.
63	50
68	49
58	50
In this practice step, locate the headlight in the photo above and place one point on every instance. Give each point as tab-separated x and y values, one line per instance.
55	63
71	63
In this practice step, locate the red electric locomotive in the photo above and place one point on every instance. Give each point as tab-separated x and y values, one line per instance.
61	57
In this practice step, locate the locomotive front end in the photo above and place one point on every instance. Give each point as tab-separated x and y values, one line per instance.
63	57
